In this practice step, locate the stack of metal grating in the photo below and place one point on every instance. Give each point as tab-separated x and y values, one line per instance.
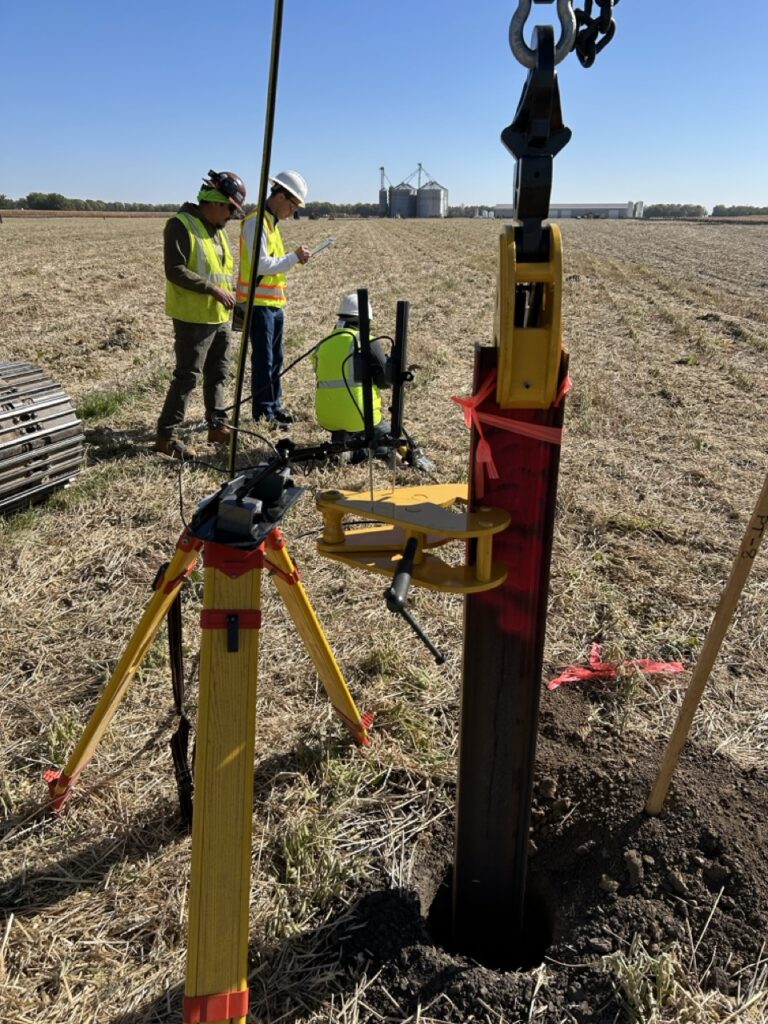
41	438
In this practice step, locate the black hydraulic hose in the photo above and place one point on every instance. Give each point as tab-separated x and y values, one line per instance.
266	157
304	355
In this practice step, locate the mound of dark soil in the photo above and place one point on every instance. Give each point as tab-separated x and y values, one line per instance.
601	873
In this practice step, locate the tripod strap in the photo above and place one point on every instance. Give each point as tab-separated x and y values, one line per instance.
180	739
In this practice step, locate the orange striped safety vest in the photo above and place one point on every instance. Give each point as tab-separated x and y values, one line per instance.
270	291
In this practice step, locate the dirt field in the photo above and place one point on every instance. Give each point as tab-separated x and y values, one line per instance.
643	920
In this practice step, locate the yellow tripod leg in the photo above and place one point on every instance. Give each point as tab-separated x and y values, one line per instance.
291	589
217	952
166	588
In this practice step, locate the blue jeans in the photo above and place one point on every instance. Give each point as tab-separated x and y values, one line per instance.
266	360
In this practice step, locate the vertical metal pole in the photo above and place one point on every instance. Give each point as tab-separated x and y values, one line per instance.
503	654
399	359
266	157
365	353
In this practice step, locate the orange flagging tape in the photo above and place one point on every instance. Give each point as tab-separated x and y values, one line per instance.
222	1006
59	787
475	416
599	669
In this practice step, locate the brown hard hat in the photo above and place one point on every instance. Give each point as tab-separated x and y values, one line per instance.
229	184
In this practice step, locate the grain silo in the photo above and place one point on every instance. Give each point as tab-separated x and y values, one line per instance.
383	195
432	200
402	201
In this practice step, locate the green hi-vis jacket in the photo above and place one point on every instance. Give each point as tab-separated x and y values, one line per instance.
339	405
270	291
205	260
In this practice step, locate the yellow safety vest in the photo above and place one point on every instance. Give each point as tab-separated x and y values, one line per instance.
339	402
205	260
270	291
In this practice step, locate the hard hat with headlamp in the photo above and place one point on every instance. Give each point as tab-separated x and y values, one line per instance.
229	184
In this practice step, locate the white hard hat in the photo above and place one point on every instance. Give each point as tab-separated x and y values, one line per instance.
350	308
292	182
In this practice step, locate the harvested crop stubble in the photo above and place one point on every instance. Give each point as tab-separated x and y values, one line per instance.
664	455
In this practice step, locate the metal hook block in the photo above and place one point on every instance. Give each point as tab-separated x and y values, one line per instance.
524	53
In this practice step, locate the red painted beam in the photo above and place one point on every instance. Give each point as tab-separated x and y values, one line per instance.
503	653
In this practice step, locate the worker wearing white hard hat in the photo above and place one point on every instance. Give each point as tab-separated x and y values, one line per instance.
289	192
339	377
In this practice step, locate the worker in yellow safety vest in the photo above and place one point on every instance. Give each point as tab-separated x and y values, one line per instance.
337	362
199	279
289	192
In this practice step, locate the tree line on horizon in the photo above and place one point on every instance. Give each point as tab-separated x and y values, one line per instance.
674	210
56	201
738	211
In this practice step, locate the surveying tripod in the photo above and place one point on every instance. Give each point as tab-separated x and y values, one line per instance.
237	534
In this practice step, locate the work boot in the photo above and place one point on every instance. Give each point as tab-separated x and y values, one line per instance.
174	448
273	422
219	433
283	416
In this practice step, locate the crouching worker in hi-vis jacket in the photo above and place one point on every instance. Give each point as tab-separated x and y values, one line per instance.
339	379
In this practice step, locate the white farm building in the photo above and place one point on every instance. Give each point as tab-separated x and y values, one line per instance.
560	211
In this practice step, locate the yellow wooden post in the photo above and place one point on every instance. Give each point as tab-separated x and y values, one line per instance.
729	599
217	954
166	589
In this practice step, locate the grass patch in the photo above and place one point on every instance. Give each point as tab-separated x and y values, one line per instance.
18	522
101	404
93	484
61	736
654	988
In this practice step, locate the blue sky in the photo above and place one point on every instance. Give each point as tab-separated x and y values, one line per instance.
135	101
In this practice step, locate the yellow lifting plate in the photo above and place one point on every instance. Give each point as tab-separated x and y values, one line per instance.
378	537
529	357
432	572
420	512
439	494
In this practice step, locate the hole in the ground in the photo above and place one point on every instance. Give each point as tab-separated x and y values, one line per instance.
492	945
